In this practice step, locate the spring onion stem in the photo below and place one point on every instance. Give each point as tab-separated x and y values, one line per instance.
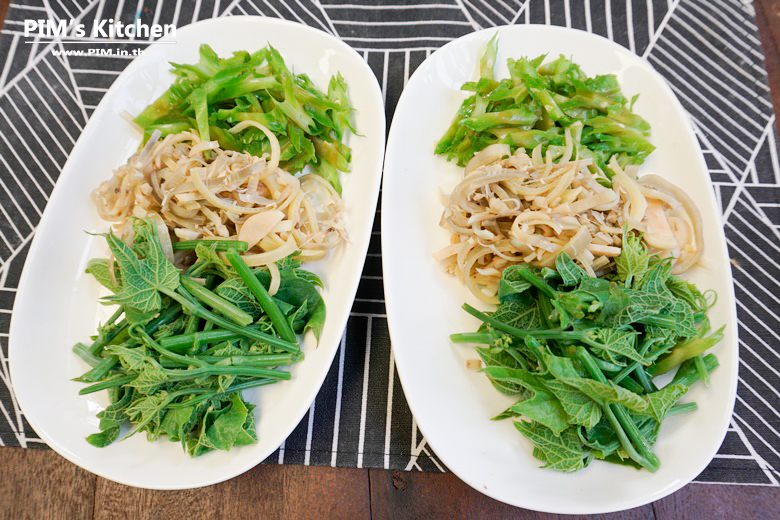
632	439
193	307
216	302
257	289
104	385
221	245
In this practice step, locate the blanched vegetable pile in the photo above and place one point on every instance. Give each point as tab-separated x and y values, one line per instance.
581	353
537	103
214	95
182	346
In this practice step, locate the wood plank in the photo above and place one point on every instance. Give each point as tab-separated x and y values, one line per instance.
768	21
267	491
442	495
697	501
4	5
41	485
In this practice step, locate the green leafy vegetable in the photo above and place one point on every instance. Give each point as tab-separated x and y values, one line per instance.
216	94
511	283
562	452
580	408
537	104
580	354
540	404
104	437
142	276
176	355
633	260
660	402
103	272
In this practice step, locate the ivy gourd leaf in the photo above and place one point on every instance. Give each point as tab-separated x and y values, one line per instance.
142	277
563	452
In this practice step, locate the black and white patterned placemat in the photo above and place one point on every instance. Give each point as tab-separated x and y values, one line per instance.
708	50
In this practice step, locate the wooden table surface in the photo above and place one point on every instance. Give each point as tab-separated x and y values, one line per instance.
39	484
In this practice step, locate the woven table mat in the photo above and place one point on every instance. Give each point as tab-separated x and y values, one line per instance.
708	51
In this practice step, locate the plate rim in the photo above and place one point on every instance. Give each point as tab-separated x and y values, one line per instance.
393	325
374	91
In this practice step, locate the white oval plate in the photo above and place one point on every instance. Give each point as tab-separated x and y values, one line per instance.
56	304
451	404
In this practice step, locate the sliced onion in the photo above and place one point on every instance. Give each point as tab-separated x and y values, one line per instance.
256	227
578	243
600	249
275	149
487	155
600	262
239	177
690	208
659	233
273	255
562	184
146	151
637	203
202	147
447	252
218	202
186	234
599	199
276	279
164	235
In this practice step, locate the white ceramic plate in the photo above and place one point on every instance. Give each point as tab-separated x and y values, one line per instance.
56	304
453	405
